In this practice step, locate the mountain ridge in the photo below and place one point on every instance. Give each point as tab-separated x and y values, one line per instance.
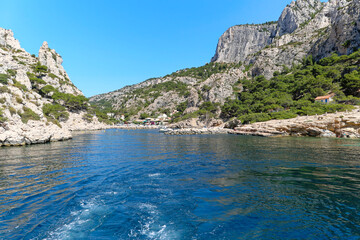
305	28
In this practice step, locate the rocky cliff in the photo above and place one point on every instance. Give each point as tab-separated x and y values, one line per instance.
305	27
166	94
38	101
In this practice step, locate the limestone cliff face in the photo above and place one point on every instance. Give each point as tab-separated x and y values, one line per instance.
239	42
305	27
22	117
7	39
295	14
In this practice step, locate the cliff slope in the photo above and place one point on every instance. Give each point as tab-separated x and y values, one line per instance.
221	89
305	27
38	101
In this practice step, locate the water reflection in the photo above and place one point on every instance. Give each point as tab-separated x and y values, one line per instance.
143	185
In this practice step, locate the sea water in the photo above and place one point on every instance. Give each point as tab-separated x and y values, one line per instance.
141	184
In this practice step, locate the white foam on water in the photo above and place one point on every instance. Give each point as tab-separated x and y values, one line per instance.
82	219
111	193
154	175
149	225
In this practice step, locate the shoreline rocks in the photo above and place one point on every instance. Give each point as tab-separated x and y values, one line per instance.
342	124
198	131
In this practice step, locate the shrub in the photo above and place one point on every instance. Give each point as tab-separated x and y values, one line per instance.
2	118
4	89
48	89
2	100
4	78
40	68
88	117
28	114
144	116
12	110
55	111
19	99
11	72
283	115
36	81
254	117
72	102
20	86
53	76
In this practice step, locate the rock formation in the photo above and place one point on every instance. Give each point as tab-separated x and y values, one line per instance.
305	27
23	78
345	124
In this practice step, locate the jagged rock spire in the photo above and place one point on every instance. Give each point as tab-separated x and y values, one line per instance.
7	39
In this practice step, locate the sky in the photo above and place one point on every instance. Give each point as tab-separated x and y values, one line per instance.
109	44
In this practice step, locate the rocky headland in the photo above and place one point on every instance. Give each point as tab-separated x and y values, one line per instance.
342	124
38	101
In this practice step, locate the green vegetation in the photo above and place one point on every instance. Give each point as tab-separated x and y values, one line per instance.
35	81
20	86
18	99
156	90
206	109
4	78
288	95
53	76
28	114
2	118
11	72
12	110
38	68
55	113
48	89
101	114
4	89
205	71
70	101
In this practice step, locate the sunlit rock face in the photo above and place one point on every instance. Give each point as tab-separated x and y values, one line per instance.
22	118
305	27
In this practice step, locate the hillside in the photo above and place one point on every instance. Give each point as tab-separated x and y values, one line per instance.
38	101
247	56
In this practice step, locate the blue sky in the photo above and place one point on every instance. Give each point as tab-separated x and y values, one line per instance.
108	44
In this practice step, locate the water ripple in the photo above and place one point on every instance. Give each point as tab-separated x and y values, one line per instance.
123	184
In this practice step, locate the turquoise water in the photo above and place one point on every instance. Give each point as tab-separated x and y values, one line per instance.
141	184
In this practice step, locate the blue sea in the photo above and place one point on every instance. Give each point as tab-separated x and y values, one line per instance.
140	184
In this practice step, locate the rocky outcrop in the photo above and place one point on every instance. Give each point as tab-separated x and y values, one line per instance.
295	14
7	39
344	124
239	42
22	76
305	27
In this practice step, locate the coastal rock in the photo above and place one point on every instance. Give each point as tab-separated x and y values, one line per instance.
346	125
22	119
